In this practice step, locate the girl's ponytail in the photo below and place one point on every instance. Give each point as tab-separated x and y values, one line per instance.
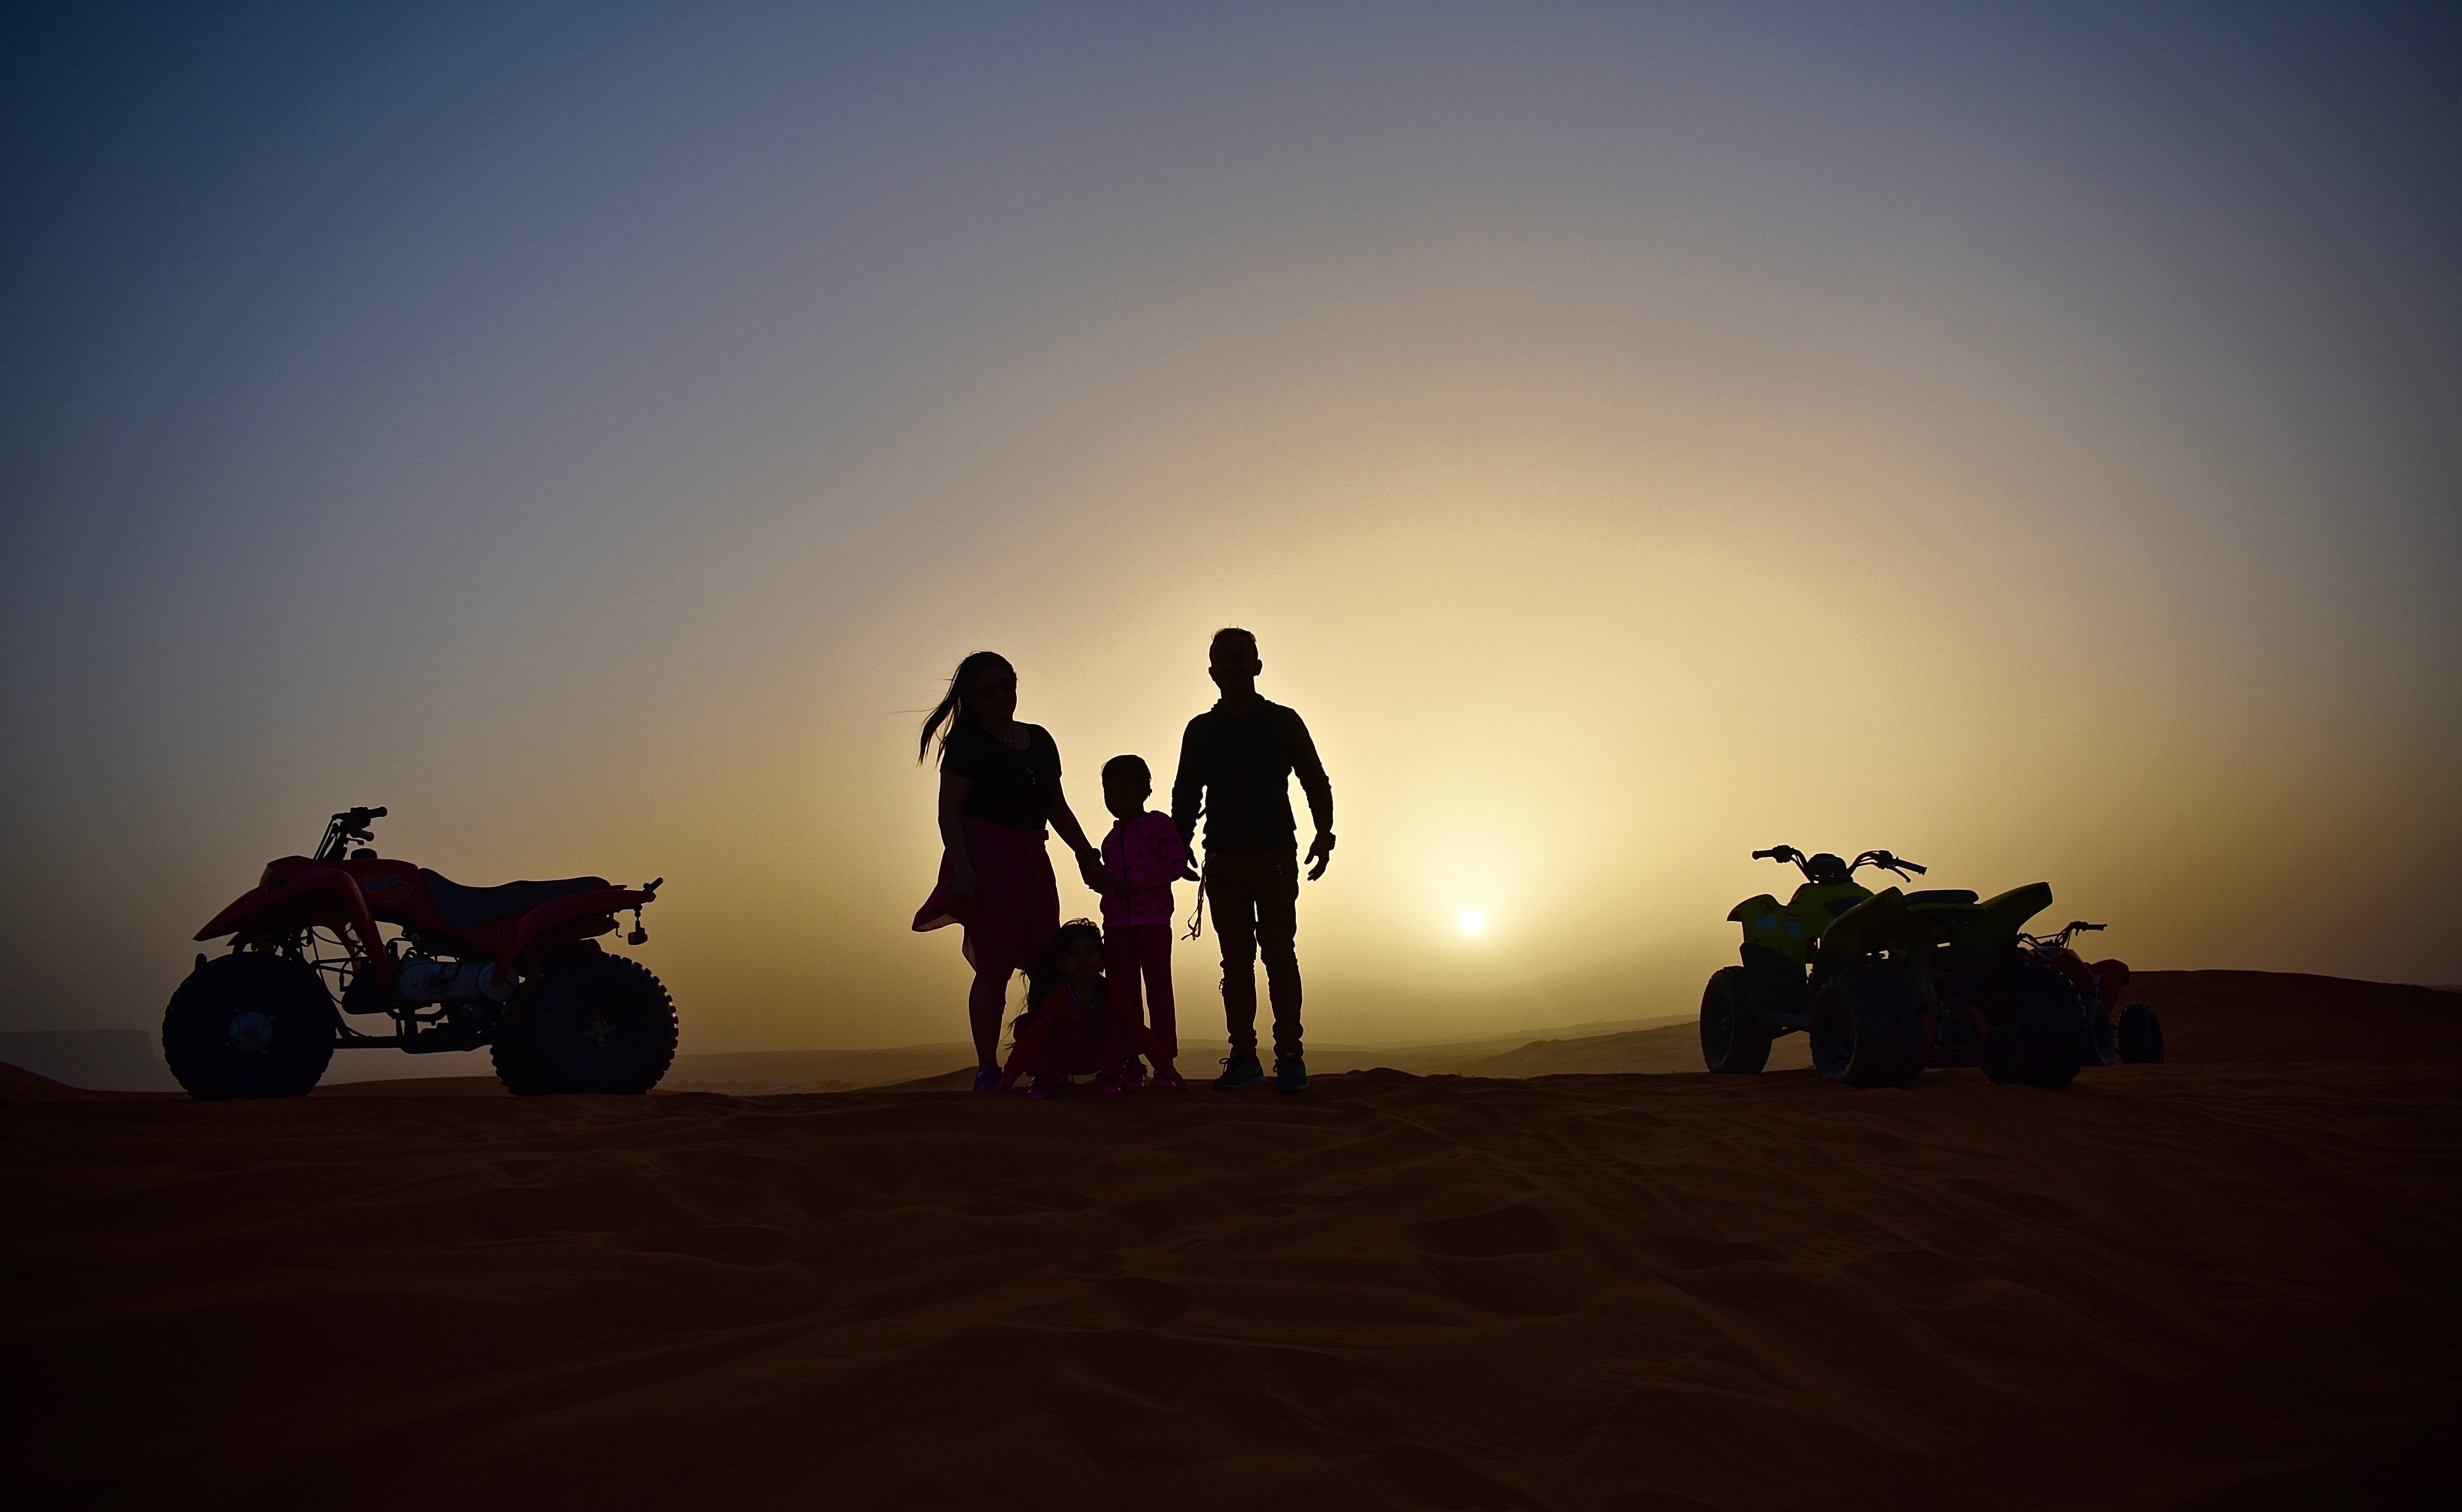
952	707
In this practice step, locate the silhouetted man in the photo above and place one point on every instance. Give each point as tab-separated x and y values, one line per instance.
1235	765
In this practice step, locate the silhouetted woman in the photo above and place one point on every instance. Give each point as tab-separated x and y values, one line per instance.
1000	783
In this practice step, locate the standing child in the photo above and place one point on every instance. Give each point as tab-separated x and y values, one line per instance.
1141	855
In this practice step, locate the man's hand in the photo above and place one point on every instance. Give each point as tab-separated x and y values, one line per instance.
1319	854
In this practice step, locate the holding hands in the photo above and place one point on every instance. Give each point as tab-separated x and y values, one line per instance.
1090	867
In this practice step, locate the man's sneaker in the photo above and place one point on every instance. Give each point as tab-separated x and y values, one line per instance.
988	1079
1290	1074
1239	1070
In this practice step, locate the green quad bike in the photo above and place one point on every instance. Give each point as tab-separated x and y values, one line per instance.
1890	982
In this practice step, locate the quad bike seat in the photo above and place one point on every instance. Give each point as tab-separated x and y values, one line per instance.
1940	897
468	907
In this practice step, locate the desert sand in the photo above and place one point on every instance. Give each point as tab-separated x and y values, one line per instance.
2228	1282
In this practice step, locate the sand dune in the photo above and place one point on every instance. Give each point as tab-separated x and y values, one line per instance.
758	1072
2228	1281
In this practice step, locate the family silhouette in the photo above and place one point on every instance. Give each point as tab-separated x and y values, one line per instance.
1099	999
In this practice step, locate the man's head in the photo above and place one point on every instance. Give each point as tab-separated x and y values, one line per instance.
1233	663
1126	783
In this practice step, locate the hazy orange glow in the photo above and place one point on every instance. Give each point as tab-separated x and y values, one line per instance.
1615	486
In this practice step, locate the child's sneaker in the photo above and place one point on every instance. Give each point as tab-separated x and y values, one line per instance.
1168	1081
1240	1071
1132	1076
1107	1082
1290	1072
987	1079
1047	1086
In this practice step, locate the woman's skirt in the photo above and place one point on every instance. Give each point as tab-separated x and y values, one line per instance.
1016	909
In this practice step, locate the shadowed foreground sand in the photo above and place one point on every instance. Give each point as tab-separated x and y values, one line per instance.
2184	1285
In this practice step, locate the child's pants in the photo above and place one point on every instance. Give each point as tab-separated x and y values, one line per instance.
1134	951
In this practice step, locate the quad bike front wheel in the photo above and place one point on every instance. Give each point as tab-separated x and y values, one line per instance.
248	1026
1867	1029
1732	1041
2141	1034
2037	1032
596	1024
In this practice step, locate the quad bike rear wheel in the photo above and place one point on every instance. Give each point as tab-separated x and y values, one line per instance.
248	1025
596	1024
2037	1035
1732	1041
2141	1034
1867	1029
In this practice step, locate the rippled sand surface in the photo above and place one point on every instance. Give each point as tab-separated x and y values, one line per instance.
2230	1280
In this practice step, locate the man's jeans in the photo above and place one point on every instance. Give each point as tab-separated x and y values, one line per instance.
1256	908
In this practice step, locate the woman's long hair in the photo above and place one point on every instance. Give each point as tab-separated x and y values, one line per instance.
1043	973
943	719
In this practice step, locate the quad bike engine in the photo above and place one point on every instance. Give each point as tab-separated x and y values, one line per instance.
423	980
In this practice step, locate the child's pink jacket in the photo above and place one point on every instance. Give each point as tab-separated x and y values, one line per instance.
1146	853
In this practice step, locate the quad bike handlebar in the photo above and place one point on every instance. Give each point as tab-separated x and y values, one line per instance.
1827	868
350	824
2059	941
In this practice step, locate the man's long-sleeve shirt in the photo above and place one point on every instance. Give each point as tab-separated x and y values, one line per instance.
1237	770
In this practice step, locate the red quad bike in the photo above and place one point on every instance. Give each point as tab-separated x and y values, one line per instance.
2138	1035
516	968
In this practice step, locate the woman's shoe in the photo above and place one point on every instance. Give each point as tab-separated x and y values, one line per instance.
1047	1086
987	1079
1168	1080
1107	1082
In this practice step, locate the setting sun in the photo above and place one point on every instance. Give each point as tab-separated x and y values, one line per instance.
1472	921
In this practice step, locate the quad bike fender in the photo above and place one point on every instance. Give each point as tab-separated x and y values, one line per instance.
597	907
1769	926
330	890
1868	926
2080	975
1999	919
1759	903
2109	977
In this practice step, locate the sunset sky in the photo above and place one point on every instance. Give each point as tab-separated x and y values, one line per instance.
2029	442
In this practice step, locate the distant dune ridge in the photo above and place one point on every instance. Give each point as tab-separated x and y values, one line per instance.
2227	1282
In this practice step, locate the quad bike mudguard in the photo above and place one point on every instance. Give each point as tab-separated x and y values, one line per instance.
1861	929
1793	927
359	893
329	895
1998	919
